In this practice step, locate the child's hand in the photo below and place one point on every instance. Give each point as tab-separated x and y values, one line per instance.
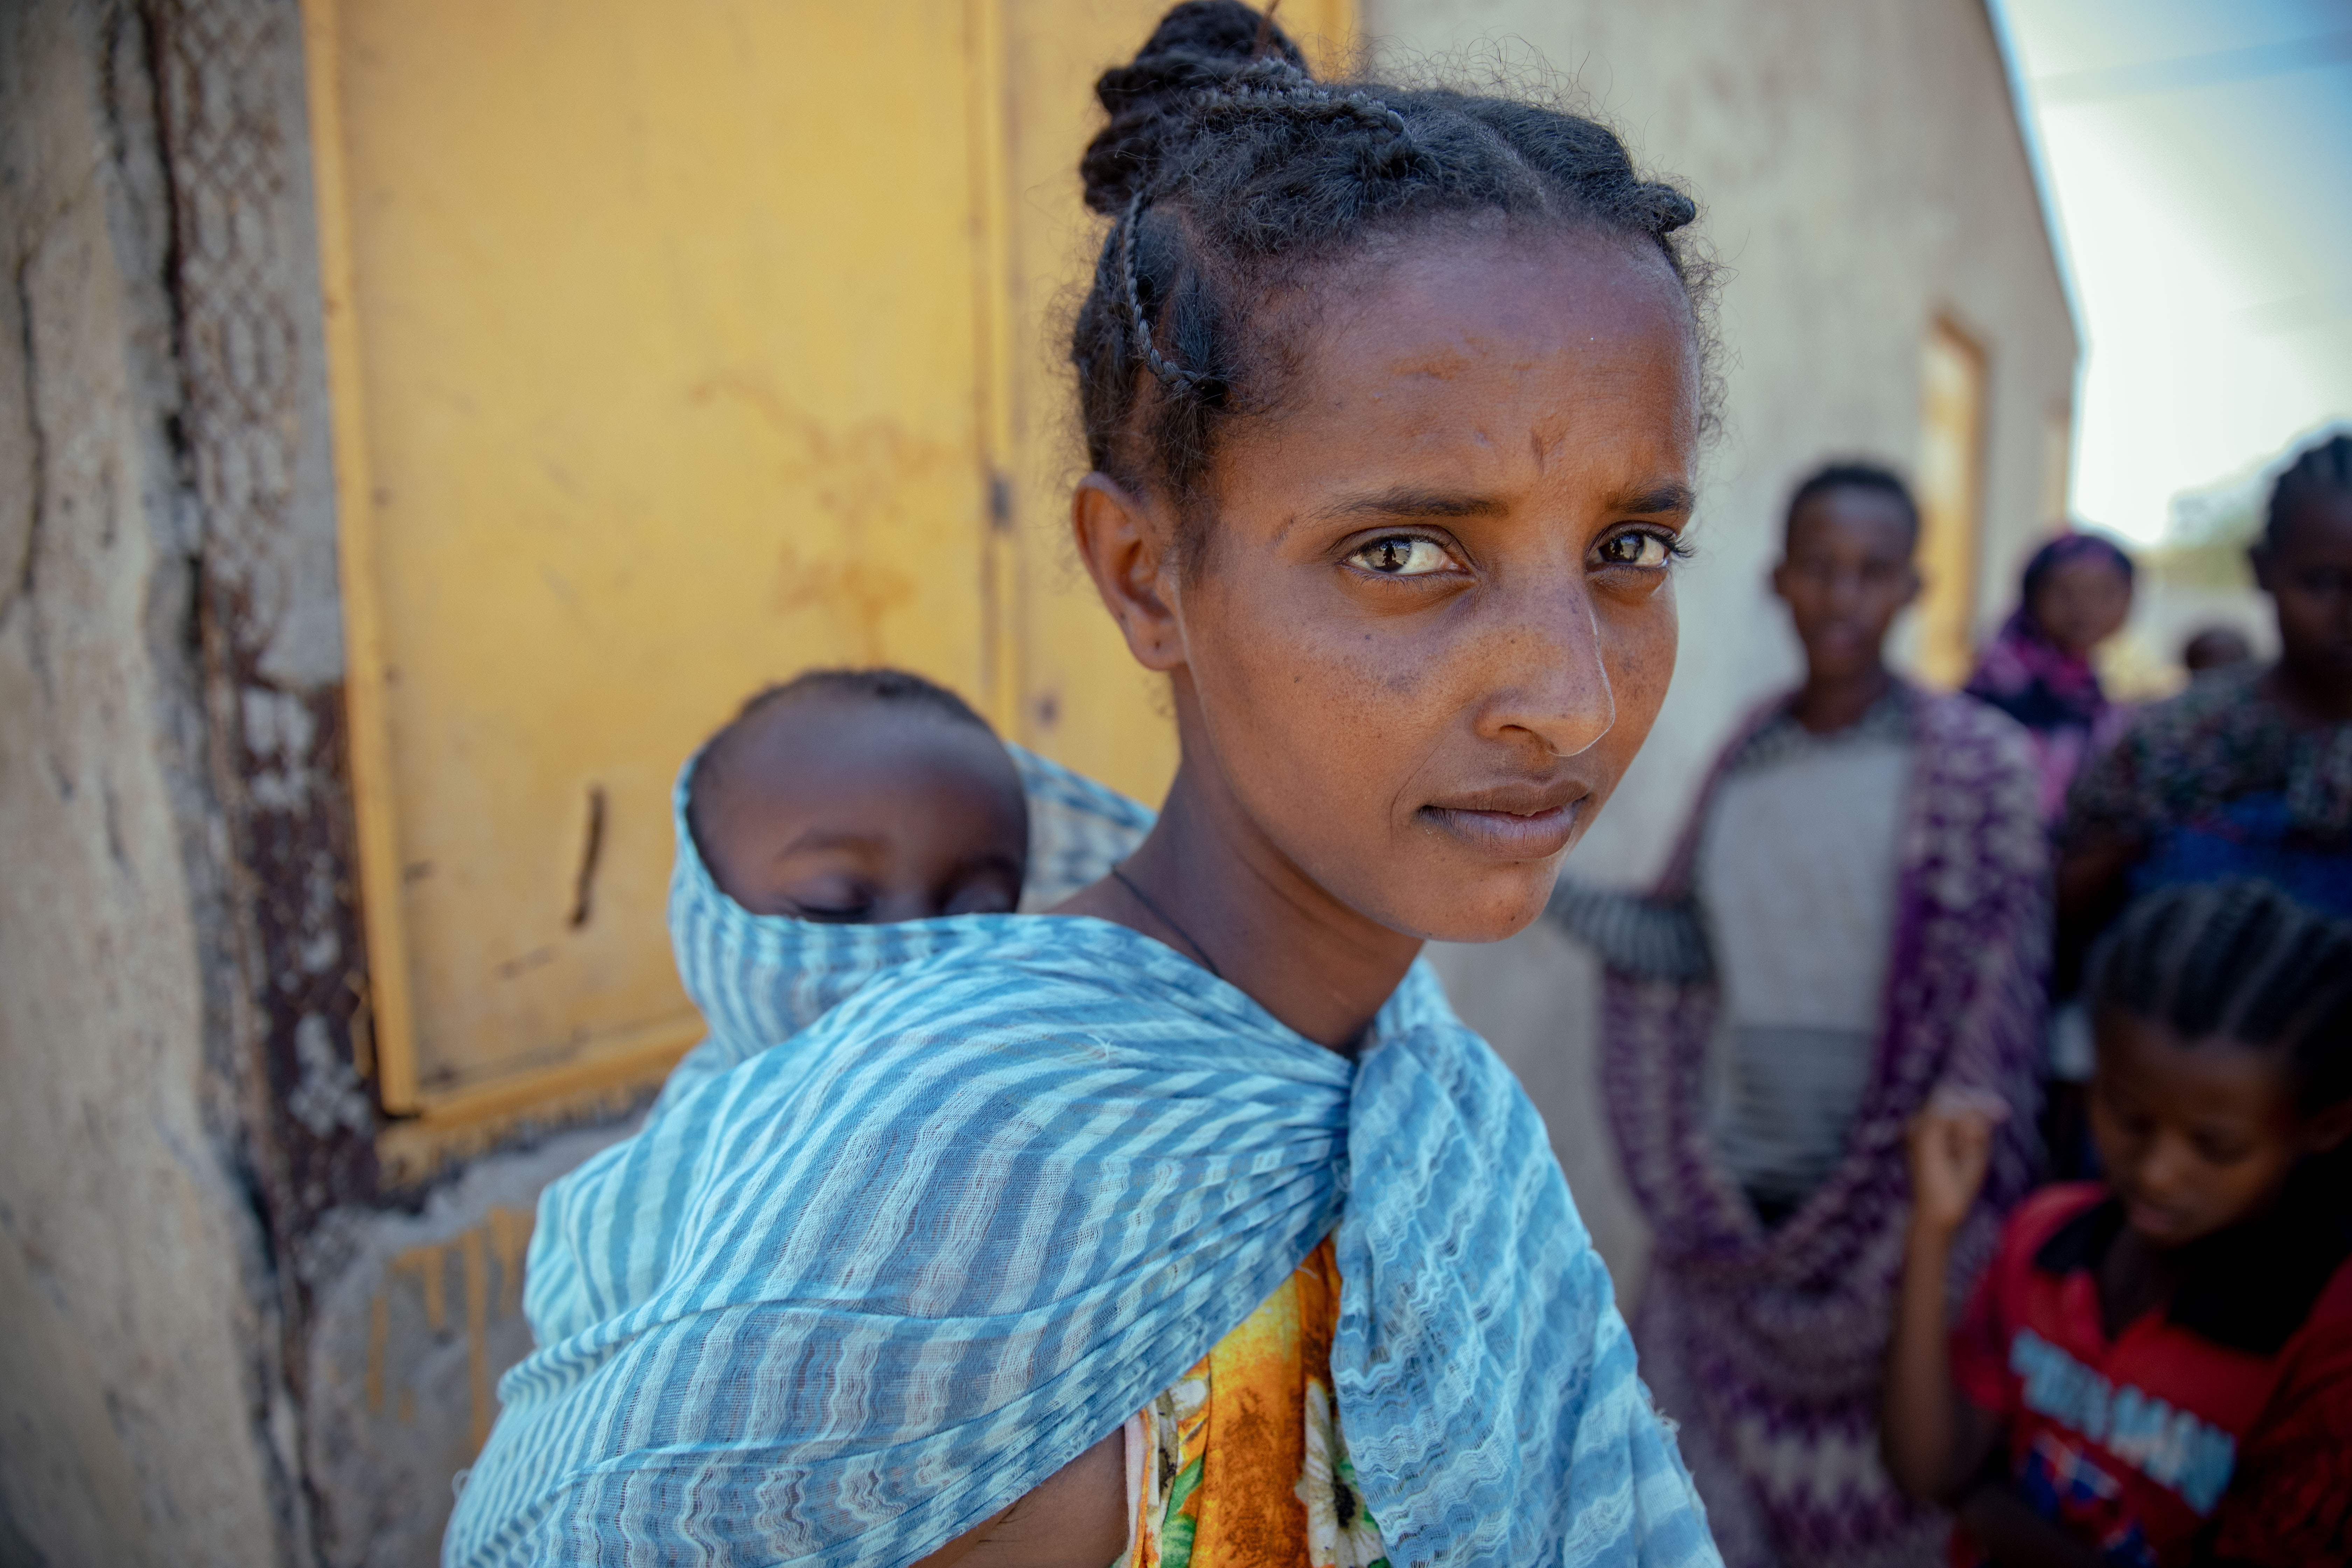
1950	1145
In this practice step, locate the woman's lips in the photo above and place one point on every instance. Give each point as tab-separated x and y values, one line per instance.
1529	823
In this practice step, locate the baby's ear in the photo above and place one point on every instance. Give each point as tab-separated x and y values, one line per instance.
1126	547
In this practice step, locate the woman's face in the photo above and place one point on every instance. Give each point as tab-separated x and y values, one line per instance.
2082	603
1433	616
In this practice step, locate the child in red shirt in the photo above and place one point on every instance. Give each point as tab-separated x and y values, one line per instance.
2155	1370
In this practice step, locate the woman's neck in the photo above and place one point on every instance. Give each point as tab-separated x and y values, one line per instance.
1828	703
1210	885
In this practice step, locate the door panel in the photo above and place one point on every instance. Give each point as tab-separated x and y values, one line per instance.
676	349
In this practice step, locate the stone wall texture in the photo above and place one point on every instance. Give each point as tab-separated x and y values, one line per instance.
141	1416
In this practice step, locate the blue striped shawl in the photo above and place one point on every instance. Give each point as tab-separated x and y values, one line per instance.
840	1302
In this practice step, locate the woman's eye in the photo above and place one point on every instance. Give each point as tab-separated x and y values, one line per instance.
1638	547
1402	555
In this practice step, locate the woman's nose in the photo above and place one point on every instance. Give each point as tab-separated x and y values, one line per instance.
1554	677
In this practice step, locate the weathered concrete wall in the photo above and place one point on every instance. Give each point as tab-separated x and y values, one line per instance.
141	1418
416	1317
1859	171
222	1342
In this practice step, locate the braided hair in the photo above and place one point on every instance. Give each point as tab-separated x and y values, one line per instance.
2321	467
2238	961
1229	173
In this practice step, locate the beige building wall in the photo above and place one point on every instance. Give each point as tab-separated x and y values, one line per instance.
1860	174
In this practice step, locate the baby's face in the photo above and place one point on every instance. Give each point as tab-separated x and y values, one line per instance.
863	813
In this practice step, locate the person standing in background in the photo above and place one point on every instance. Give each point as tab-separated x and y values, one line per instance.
2249	772
1855	917
2077	593
2214	648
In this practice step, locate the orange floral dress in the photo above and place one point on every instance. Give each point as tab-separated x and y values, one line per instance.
1241	1463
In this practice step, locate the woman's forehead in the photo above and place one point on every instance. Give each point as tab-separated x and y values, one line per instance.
1547	343
1442	302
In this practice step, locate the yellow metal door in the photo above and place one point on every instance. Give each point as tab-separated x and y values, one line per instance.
676	349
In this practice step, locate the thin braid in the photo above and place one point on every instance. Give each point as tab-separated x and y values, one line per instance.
1275	82
1166	369
1271	83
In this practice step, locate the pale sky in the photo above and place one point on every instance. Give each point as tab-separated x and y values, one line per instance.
2200	154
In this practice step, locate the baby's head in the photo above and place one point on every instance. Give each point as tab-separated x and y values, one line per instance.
2223	1015
860	797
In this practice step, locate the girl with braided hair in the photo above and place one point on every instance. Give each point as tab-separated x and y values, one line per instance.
1187	1225
2157	1369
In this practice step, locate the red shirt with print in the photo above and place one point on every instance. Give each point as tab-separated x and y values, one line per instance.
2220	1422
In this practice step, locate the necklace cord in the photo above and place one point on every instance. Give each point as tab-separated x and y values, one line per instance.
1171	921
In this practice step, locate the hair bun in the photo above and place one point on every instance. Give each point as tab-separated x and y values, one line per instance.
1667	208
1199	45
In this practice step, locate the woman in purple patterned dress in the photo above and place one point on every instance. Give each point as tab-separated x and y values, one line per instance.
1855	917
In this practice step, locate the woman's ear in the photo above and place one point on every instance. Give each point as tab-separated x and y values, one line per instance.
1126	546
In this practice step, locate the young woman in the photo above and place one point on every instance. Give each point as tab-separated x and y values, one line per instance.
2249	772
1855	915
2157	1369
2077	593
1191	1225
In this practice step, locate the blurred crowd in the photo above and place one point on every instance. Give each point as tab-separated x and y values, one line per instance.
2021	999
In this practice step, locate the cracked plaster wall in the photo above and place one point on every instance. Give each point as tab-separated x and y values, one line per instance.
141	1420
